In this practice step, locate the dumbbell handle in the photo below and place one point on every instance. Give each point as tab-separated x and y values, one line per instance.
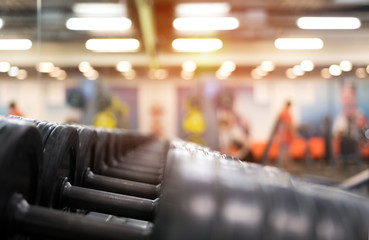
49	223
143	162
130	175
107	202
121	186
143	169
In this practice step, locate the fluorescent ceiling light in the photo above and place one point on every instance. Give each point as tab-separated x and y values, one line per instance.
202	9
298	43
113	45
197	45
100	9
15	44
205	23
328	23
99	24
1	23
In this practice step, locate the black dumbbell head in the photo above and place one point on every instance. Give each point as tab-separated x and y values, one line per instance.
87	151
20	161
60	153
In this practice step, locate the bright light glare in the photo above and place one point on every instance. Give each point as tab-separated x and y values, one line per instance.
84	66
99	24
307	65
129	75
15	44
113	45
260	71
123	66
55	72
222	75
361	73
205	23
197	45
45	67
325	73
335	70
1	23
298	71
158	74
4	66
267	66
22	74
62	75
298	43
228	66
92	74
328	23
346	66
290	74
189	66
202	9
255	74
13	71
99	9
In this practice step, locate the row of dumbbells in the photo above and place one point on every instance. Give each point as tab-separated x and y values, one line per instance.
202	193
77	169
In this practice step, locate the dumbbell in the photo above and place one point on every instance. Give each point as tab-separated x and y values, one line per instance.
60	154
132	139
139	158
60	151
105	162
247	201
88	149
20	169
87	178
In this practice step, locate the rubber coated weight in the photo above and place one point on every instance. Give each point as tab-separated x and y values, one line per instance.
235	205
60	153
103	156
116	158
87	145
86	178
100	152
45	129
19	167
19	143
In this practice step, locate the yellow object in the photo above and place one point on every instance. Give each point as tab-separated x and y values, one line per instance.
105	119
194	122
113	116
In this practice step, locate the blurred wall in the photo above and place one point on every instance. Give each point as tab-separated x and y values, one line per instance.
256	101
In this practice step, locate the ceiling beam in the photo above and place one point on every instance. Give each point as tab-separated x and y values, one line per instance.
146	19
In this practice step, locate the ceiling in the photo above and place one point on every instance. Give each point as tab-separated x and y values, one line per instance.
261	22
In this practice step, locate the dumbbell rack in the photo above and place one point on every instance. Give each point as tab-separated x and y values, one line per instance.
203	194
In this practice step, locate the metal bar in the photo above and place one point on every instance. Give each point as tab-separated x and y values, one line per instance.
109	203
120	186
53	224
